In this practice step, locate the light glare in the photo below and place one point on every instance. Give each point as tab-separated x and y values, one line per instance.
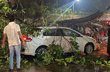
78	0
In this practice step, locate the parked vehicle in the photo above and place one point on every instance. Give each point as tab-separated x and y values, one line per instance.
34	45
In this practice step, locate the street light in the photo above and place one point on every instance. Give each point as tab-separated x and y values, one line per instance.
73	7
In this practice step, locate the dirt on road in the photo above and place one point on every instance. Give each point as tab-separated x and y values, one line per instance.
101	50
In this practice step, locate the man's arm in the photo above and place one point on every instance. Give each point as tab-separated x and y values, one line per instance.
3	41
21	37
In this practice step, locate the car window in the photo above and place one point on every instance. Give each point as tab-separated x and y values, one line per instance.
35	32
68	32
50	33
59	32
53	32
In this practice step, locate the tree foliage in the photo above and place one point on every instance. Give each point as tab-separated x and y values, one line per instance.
26	12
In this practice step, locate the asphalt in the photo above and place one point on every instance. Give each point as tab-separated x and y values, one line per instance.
30	69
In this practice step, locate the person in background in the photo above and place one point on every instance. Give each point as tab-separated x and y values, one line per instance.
13	33
108	46
102	35
99	35
106	34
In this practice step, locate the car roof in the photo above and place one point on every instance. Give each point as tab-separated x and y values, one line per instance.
52	27
60	27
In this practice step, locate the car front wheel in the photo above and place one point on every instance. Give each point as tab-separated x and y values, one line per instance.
88	49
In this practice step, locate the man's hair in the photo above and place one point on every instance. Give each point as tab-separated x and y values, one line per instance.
11	18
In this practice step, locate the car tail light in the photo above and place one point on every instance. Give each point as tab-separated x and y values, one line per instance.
27	39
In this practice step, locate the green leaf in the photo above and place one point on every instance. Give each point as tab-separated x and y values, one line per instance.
108	62
99	62
23	11
83	59
77	62
65	63
5	8
105	62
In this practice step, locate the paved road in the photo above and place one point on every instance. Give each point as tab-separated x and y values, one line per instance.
31	69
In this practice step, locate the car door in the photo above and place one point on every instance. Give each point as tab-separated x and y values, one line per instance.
56	36
79	39
53	36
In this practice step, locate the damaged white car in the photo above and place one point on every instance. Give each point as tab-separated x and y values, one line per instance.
36	44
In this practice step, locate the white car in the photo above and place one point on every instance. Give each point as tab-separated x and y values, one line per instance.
36	44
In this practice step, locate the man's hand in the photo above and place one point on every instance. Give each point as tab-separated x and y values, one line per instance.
3	42
23	43
3	45
21	37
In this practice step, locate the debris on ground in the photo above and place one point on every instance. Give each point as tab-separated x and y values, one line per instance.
101	51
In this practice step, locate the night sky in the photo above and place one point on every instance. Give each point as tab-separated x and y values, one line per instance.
88	5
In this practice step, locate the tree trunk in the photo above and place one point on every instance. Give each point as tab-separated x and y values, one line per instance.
12	2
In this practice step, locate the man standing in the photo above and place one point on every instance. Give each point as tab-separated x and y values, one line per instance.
13	33
108	47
